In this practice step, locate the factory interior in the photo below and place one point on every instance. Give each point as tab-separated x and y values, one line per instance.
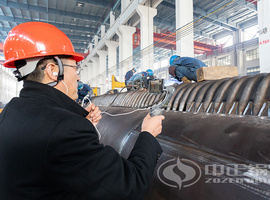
216	132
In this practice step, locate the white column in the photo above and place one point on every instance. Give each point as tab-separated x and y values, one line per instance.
264	37
112	45
89	72
90	46
112	18
95	61
84	74
124	5
102	70
102	31
96	40
184	15
146	14
125	34
238	55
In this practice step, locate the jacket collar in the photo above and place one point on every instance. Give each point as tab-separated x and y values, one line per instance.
37	90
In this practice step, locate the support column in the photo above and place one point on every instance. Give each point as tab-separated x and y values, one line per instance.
102	31
238	54
96	40
89	75
112	45
264	37
184	18
90	46
112	18
84	74
146	14
124	5
95	70
102	70
125	34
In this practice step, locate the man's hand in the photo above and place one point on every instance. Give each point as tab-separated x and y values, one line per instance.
153	125
94	114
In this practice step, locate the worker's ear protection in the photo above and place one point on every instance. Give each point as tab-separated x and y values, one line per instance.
60	76
61	69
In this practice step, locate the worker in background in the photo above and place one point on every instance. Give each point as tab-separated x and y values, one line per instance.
150	76
49	147
136	77
184	68
128	75
83	91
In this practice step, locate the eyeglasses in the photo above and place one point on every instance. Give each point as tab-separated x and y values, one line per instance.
78	68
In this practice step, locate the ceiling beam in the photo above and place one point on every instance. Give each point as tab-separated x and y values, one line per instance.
100	3
40	9
221	34
207	16
249	23
58	25
214	22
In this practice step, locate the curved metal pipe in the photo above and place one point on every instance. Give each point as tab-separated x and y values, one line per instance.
146	100
201	95
249	92
129	97
262	94
185	97
210	94
235	93
171	102
191	99
137	98
179	95
222	93
141	99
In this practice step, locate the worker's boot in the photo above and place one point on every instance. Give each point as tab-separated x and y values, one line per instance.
185	80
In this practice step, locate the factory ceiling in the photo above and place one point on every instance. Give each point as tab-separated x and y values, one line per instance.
81	20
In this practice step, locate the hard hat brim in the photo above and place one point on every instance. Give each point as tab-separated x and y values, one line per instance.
77	57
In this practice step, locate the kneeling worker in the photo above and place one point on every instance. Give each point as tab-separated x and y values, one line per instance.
184	68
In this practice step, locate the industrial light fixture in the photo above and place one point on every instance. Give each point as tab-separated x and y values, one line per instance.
79	4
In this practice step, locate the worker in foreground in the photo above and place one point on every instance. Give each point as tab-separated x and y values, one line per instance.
49	147
184	68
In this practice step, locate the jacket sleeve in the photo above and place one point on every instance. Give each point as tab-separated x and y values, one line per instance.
80	164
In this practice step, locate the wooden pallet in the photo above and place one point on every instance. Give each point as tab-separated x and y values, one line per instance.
217	72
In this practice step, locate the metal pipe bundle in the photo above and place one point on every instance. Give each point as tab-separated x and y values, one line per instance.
215	137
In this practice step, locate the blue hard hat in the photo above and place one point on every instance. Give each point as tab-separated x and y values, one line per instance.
150	72
134	69
80	85
172	59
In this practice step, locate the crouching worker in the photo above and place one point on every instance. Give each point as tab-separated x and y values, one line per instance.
49	147
184	68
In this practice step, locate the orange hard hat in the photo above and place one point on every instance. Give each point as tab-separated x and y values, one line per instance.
36	39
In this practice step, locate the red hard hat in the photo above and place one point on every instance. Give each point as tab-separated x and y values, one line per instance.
36	39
